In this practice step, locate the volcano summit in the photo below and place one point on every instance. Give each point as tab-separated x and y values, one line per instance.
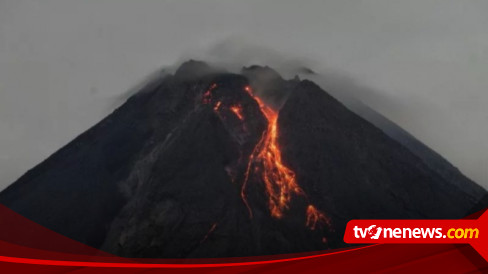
205	163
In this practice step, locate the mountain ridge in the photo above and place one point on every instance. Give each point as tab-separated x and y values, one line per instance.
177	171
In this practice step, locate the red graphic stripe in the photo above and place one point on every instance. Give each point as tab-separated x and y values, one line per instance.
150	265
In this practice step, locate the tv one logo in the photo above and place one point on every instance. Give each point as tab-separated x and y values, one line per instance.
375	232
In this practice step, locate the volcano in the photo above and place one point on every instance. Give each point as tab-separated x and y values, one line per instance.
206	163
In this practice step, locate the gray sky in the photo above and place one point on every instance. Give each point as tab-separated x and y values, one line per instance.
65	63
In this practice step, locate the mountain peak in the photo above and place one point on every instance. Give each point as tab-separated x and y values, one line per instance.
261	72
212	164
193	69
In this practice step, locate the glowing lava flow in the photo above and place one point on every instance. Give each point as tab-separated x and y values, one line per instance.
207	96
315	217
217	106
237	109
280	181
212	228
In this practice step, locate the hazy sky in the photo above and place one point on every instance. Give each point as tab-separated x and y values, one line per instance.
65	63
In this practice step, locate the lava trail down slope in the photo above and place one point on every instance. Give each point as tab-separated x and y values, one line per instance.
207	163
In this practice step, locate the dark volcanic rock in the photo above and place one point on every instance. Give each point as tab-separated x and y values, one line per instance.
162	176
186	193
354	170
431	158
268	84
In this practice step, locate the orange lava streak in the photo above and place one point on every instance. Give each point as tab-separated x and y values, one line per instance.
207	96
237	110
315	218
217	106
279	180
209	232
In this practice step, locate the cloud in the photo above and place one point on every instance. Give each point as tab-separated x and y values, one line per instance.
421	63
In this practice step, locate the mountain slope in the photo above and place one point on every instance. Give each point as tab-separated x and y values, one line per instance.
205	163
431	158
360	172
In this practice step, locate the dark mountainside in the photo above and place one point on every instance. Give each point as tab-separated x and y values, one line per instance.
345	94
431	158
205	163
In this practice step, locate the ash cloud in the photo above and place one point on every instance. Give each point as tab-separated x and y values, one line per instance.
422	63
423	116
